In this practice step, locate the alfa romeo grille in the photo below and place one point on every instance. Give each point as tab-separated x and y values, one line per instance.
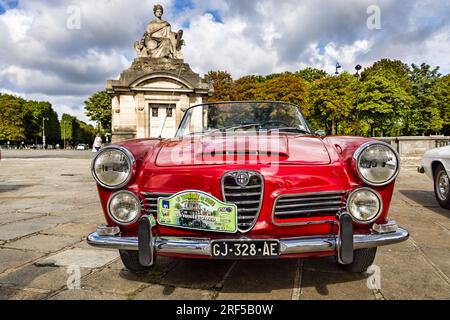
244	189
151	201
309	205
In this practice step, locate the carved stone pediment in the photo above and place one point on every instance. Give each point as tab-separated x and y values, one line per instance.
172	68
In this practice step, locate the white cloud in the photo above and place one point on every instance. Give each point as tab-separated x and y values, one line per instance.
346	55
213	45
18	23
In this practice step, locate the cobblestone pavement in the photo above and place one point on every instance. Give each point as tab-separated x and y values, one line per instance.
48	206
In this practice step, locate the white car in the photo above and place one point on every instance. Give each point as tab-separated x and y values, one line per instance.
436	165
83	147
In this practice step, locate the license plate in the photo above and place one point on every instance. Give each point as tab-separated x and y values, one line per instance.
245	249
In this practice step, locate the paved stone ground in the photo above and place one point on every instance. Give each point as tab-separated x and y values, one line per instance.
48	205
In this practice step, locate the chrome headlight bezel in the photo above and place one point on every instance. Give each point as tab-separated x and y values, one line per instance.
356	163
131	163
114	218
380	210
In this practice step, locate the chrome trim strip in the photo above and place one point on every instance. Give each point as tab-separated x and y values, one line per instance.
108	242
202	246
261	199
306	223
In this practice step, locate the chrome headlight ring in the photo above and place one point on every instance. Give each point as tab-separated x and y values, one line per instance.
131	164
380	210
360	152
114	216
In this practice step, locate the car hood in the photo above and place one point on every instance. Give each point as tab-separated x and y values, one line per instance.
235	149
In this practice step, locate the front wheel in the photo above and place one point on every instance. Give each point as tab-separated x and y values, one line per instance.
362	259
442	187
131	261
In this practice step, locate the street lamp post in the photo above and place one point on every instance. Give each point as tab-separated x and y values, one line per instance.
358	69
338	66
43	132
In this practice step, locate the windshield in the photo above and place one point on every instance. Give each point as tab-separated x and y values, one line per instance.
243	117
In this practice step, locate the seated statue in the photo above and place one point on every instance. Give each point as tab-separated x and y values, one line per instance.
159	41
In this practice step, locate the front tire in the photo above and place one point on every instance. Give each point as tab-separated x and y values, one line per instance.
130	259
363	259
442	186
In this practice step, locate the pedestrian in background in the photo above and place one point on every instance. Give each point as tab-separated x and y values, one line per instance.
97	144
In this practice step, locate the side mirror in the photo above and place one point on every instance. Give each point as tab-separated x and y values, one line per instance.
321	133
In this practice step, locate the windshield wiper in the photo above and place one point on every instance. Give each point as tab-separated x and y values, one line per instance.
241	127
297	129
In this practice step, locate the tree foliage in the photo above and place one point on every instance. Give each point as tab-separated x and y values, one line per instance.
99	109
426	108
12	127
22	120
393	98
333	105
74	131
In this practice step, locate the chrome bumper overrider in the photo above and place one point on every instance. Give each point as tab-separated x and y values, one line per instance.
202	246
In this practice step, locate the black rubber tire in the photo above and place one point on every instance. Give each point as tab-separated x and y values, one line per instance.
130	259
363	259
443	203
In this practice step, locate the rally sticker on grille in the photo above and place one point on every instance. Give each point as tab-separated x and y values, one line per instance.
198	211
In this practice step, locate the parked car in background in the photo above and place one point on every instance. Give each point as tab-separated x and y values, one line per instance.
247	180
436	165
82	146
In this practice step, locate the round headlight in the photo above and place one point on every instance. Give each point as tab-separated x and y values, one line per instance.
365	205
112	167
377	163
124	207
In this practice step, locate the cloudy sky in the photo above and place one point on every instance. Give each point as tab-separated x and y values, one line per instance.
47	53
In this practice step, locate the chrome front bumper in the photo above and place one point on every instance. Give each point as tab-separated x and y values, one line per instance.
291	246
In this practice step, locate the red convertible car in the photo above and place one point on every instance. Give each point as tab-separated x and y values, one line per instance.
247	180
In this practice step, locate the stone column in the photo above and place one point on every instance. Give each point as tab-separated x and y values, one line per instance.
141	119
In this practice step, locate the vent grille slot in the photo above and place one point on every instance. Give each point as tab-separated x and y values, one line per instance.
247	198
309	205
151	201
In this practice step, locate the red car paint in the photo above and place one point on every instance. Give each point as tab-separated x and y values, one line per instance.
305	164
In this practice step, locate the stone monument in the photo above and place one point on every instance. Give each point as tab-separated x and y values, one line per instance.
150	98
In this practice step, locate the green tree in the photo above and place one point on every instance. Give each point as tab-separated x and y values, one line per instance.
286	88
86	133
311	74
442	91
12	126
245	88
33	113
333	104
394	69
383	102
222	83
22	120
99	109
426	114
68	129
75	131
399	73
